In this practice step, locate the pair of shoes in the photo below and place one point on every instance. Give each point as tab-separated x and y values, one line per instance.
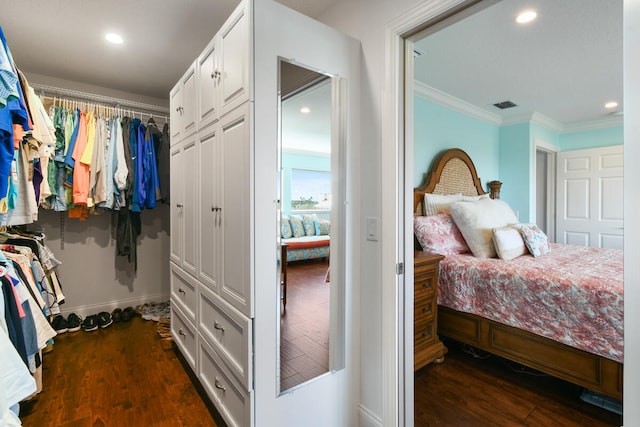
59	324
104	319
155	311
90	323
116	315
74	322
128	314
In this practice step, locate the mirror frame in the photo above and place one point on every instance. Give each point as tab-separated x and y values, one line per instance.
338	216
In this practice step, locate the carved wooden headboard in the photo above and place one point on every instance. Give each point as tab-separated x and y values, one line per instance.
453	173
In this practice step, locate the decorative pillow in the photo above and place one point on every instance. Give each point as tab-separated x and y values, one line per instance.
476	220
323	227
537	242
285	227
508	242
439	203
309	224
438	234
474	198
297	229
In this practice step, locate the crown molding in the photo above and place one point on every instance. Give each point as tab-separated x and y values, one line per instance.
456	104
446	100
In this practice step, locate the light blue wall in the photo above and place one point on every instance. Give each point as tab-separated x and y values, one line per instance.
517	168
592	138
504	153
437	128
298	160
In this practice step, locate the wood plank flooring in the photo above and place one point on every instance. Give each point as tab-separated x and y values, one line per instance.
304	324
123	375
476	392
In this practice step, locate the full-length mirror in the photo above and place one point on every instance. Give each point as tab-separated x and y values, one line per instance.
311	196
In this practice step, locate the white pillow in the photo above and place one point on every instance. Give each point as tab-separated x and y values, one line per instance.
474	198
476	221
435	204
508	242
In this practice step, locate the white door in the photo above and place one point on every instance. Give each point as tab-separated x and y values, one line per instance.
590	197
331	399
190	206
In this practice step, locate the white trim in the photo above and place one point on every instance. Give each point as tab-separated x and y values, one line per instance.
109	306
367	418
456	104
449	101
393	219
545	146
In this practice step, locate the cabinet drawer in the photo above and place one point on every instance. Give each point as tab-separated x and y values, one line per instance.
184	291
228	332
233	403
424	334
424	309
424	286
184	335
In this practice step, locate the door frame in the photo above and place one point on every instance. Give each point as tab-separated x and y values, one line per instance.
396	341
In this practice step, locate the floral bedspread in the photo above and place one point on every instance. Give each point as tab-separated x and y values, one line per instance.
573	294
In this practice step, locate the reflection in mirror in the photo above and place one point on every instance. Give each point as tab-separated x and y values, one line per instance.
308	221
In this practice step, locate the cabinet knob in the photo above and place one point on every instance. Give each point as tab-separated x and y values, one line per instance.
182	291
219	385
181	332
426	309
218	326
425	334
179	205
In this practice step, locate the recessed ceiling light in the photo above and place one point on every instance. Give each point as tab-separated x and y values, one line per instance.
526	16
305	110
611	104
113	38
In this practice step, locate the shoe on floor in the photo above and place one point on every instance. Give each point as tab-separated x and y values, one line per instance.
116	315
90	323
128	314
104	319
74	322
59	324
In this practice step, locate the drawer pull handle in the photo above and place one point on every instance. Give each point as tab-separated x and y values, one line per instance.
179	205
218	326
425	334
181	332
426	309
182	291
426	285
219	385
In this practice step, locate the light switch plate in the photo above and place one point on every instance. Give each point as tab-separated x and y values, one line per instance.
372	229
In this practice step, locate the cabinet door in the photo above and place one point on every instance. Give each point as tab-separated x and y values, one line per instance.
177	204
234	59
175	113
235	136
189	101
210	216
190	206
208	77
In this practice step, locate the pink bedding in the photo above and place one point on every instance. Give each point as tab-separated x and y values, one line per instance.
573	295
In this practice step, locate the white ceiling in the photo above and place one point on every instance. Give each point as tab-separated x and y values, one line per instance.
564	65
65	38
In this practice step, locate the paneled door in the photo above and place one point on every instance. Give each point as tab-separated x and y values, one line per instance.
590	197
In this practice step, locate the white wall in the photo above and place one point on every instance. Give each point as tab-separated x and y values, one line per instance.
365	20
92	276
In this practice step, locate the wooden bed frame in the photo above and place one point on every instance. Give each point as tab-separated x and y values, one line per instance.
454	173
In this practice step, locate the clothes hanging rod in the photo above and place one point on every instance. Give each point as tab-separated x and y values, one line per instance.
90	97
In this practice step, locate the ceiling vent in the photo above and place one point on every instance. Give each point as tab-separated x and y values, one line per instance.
504	104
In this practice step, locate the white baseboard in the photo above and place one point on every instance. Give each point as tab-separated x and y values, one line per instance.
86	310
368	418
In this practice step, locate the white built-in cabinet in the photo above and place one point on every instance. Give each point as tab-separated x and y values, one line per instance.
225	277
211	297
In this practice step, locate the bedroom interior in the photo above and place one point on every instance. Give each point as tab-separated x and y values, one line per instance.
441	98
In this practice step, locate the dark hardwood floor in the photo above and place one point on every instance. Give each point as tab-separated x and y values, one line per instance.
476	391
123	375
304	324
